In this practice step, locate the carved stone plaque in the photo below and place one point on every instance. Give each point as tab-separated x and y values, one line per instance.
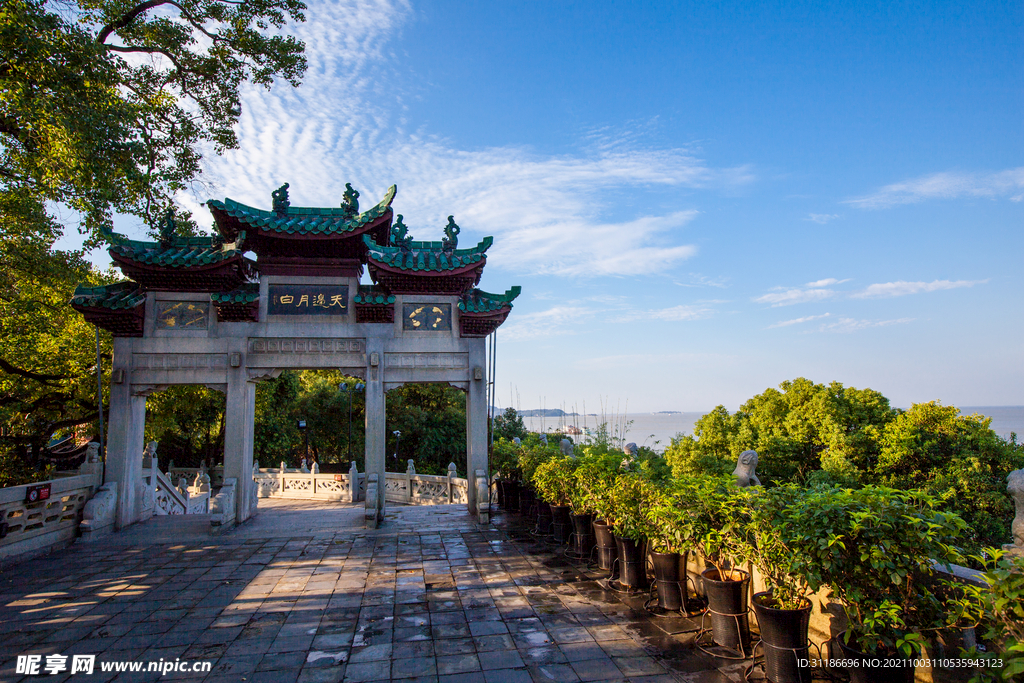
428	317
182	315
322	300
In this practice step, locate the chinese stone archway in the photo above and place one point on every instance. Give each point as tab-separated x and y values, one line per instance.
197	310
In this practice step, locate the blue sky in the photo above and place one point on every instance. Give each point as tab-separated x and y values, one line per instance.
700	200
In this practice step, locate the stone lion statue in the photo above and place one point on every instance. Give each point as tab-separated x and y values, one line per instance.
744	472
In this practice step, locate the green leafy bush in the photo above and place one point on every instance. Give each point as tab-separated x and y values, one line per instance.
876	549
592	480
628	501
553	479
1002	602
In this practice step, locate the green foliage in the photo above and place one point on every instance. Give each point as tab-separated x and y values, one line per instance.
188	424
15	472
628	501
876	549
105	105
505	459
533	453
509	425
770	551
1002	602
592	480
432	420
553	479
817	434
705	513
959	460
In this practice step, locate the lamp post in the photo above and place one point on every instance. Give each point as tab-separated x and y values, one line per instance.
398	440
305	434
344	388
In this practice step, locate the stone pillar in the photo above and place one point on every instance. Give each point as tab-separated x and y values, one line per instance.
376	443
125	435
239	413
476	424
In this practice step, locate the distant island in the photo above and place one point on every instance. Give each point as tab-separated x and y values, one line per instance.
667	412
545	412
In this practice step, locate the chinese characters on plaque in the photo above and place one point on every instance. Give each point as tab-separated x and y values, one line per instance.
182	315
431	317
327	300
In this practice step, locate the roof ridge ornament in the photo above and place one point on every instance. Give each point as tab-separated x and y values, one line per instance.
350	202
400	236
168	228
280	199
451	235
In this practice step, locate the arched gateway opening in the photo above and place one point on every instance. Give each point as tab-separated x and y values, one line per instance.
200	311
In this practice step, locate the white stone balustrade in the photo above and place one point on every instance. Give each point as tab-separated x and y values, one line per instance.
28	529
399	487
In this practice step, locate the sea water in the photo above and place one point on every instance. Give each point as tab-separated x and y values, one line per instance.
656	430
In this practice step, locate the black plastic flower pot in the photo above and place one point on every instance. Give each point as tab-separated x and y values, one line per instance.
527	498
543	518
863	672
607	551
670	578
509	494
632	564
727	607
583	534
784	639
561	524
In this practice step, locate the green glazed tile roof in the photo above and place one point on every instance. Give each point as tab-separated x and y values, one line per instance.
178	252
373	294
118	296
427	256
478	301
246	294
294	220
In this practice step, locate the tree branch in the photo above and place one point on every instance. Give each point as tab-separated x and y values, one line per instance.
39	377
130	16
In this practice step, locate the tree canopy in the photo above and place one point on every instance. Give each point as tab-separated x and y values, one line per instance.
805	433
106	107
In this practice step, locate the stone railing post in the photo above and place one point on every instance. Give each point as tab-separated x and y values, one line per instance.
353	482
483	500
452	473
410	472
372	501
313	471
98	513
280	488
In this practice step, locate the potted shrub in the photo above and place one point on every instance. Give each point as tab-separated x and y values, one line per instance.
505	464
783	611
1001	602
628	500
553	481
717	524
531	456
668	549
592	480
877	550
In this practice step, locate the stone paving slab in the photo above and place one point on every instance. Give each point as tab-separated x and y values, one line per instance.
301	594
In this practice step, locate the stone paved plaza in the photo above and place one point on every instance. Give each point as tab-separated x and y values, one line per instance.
301	593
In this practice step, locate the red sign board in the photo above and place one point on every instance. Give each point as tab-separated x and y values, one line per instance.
36	493
338	477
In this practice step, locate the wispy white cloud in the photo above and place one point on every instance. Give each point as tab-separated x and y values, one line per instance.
798	321
886	290
812	291
634	360
672	314
698	280
947	185
550	214
847	325
555	321
821	218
